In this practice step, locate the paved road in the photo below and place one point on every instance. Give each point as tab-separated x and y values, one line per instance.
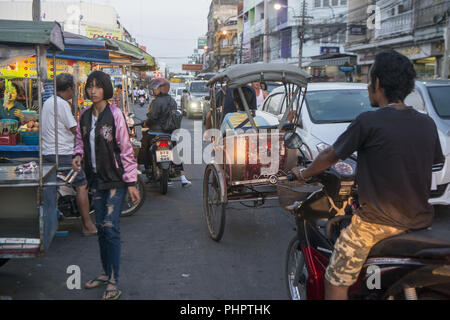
167	252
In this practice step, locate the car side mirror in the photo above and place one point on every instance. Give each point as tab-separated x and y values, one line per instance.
293	140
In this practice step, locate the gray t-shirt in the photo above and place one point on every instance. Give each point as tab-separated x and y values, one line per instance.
396	151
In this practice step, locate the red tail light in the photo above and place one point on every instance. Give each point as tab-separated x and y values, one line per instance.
163	143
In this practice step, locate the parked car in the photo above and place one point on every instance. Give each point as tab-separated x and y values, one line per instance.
432	97
328	111
330	108
195	100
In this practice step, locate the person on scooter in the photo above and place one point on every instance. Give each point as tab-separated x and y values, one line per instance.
158	112
102	141
141	93
395	160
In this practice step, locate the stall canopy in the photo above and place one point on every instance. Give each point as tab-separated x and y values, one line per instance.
124	52
83	49
19	38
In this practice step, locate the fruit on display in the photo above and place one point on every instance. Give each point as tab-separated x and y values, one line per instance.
30	126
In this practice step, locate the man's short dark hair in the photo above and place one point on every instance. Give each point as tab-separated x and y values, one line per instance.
119	87
103	81
249	95
396	74
64	81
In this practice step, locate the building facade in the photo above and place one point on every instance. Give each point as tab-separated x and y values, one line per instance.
414	28
83	18
325	29
222	35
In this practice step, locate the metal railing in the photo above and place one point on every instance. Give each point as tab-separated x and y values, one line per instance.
396	25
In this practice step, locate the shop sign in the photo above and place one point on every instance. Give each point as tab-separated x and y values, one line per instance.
192	67
94	32
113	71
357	30
346	68
27	68
327	50
416	52
201	43
368	58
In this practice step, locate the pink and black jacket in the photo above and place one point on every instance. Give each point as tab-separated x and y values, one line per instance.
116	165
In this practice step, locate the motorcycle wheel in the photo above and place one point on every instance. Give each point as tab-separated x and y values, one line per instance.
296	272
3	261
129	208
164	181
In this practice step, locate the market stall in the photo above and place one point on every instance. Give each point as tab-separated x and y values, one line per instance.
28	215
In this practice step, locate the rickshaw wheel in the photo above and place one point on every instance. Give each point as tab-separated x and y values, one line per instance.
212	206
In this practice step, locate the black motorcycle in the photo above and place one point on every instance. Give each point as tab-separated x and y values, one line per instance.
161	167
67	201
413	265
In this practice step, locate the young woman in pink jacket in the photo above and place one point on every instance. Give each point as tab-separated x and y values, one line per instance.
103	147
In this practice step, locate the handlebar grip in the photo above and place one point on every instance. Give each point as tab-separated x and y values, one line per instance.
291	177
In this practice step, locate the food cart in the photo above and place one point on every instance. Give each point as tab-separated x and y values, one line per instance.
28	214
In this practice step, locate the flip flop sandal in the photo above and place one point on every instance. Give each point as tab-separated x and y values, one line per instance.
100	282
117	294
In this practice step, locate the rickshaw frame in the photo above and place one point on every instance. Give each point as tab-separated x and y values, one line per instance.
228	191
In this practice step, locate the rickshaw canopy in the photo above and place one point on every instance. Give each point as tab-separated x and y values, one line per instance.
240	75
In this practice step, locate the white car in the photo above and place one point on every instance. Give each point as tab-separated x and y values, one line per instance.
433	98
328	111
178	94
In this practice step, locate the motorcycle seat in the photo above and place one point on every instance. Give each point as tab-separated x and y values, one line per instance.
430	243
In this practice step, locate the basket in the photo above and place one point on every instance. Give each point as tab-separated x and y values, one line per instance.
30	115
30	138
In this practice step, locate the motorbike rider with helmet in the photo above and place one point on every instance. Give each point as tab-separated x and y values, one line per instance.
394	163
158	113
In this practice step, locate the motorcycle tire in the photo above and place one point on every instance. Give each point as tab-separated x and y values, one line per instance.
164	181
128	208
295	279
3	261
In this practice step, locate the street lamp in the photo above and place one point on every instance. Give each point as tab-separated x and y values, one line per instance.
301	28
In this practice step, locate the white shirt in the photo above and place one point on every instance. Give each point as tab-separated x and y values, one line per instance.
92	142
66	121
260	98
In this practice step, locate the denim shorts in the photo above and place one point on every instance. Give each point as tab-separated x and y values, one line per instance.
65	161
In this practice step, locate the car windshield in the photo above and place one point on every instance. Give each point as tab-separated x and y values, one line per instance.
199	87
440	97
336	106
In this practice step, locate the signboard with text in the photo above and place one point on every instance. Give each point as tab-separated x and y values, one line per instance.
201	44
98	32
327	50
192	67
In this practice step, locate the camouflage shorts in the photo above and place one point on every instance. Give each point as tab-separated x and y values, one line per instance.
352	248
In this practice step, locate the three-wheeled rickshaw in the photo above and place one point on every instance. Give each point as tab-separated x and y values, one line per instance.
249	164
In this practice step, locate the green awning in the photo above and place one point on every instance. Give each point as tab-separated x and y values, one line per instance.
124	47
23	33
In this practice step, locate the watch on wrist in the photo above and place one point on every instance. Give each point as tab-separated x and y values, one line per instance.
301	175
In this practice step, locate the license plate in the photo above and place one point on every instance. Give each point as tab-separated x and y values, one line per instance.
164	155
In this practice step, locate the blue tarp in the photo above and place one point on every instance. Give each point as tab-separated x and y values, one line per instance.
83	50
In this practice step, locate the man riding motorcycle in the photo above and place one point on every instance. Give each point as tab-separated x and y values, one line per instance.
394	174
157	115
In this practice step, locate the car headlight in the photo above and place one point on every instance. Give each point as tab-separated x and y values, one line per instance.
322	146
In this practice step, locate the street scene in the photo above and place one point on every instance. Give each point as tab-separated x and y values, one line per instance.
256	150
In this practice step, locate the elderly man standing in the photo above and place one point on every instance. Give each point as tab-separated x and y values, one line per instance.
66	141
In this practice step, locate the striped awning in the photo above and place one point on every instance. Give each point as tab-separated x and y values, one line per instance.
328	62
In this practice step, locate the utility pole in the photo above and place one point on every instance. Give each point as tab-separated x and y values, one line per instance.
36	10
266	32
445	62
301	36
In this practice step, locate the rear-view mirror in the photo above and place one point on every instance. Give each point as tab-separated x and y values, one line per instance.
293	140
